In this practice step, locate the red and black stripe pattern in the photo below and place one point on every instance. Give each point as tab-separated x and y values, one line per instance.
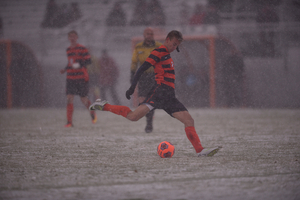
78	54
163	64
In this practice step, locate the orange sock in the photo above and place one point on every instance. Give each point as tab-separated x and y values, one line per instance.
193	137
119	110
70	109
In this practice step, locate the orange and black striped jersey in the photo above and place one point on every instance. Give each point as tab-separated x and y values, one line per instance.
78	54
163	64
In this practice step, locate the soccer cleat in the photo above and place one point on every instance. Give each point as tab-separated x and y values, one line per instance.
208	151
94	118
68	125
98	105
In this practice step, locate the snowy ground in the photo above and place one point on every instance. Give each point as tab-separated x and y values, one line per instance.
115	159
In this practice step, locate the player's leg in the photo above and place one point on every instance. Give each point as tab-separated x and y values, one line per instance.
86	102
149	117
149	120
176	109
70	110
188	121
145	85
83	91
138	113
191	134
70	92
124	111
184	117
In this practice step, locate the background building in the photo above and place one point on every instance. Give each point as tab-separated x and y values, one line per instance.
270	48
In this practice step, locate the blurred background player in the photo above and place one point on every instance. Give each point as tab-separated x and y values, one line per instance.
77	76
141	51
94	75
108	77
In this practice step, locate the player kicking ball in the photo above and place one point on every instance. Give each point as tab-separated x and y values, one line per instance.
162	94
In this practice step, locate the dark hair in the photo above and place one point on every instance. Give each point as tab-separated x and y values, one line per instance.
176	34
72	32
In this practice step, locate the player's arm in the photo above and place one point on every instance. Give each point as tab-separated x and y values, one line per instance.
146	65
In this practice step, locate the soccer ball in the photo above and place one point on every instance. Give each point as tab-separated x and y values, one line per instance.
166	149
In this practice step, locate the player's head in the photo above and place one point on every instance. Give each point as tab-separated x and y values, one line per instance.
73	36
148	35
173	40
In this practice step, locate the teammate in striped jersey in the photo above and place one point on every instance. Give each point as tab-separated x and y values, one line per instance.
77	76
162	95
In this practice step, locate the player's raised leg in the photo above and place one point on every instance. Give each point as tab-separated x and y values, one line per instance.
124	111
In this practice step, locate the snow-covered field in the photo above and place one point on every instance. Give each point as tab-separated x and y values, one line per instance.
115	159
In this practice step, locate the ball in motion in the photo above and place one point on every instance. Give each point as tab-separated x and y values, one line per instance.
166	149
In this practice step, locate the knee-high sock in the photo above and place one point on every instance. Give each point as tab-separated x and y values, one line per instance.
193	137
70	109
119	110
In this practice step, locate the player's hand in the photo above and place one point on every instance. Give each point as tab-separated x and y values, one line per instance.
129	92
62	71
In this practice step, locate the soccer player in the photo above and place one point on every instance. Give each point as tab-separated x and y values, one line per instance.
77	76
162	94
141	51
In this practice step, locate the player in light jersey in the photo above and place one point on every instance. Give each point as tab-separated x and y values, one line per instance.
162	94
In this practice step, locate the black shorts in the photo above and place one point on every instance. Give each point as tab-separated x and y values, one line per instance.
163	97
146	82
77	87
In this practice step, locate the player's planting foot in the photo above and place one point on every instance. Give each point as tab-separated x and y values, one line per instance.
68	125
148	128
208	151
94	117
98	104
149	120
